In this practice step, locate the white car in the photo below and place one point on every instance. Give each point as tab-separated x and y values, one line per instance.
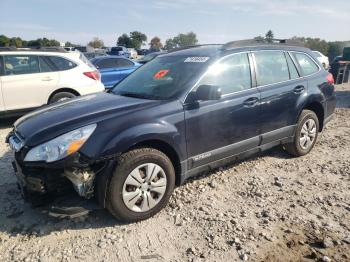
133	53
32	78
322	59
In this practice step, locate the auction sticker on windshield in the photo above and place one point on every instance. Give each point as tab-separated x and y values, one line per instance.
161	74
196	59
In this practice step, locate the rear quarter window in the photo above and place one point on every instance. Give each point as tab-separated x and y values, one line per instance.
124	63
306	64
61	63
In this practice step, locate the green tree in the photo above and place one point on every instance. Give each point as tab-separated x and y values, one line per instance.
69	44
259	38
156	43
138	39
4	41
316	44
42	42
124	40
181	40
269	36
96	43
169	44
16	41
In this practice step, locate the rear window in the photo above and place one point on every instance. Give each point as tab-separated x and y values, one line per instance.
306	64
271	67
61	63
114	63
83	58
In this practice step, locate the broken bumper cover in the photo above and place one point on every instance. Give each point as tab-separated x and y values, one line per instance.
40	178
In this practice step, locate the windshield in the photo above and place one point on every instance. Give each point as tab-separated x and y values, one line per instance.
163	78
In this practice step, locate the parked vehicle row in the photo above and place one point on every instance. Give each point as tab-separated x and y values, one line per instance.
182	113
33	78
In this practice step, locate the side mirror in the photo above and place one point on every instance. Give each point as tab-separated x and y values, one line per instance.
207	92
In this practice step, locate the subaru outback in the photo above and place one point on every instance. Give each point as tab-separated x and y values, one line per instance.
183	113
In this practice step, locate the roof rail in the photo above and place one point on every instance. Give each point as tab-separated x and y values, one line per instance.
37	48
189	47
262	41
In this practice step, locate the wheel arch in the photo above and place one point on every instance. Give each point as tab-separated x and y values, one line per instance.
64	89
165	148
318	109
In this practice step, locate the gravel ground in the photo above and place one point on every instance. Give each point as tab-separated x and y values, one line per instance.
268	208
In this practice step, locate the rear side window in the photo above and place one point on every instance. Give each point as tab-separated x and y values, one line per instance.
124	63
271	67
114	63
61	63
21	64
106	63
306	64
45	65
232	74
292	69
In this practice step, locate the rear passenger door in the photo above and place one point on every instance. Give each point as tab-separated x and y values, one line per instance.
27	81
282	91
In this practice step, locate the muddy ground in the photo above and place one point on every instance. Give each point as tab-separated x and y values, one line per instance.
268	208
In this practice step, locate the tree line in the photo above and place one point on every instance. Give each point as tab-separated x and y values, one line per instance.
330	49
137	40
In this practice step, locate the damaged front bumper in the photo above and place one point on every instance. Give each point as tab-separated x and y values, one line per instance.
42	183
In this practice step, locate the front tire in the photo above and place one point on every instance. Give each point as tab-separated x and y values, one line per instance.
141	184
306	134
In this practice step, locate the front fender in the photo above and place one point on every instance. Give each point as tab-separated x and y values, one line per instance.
160	131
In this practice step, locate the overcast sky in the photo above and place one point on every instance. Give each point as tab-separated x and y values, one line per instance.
214	21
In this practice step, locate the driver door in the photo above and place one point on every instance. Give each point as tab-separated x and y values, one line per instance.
217	129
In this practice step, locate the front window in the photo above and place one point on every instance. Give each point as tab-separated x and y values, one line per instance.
163	78
21	64
232	74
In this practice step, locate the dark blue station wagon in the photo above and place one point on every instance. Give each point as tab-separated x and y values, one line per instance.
183	113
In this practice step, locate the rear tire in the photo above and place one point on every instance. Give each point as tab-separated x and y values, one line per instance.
61	96
306	134
149	176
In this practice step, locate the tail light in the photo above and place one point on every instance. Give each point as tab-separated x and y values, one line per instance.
93	75
330	79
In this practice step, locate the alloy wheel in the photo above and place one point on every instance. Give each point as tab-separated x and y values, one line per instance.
308	134
144	187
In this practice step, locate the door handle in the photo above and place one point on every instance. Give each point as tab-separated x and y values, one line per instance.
46	79
299	89
250	102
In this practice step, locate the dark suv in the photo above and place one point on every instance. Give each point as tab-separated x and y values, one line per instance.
183	113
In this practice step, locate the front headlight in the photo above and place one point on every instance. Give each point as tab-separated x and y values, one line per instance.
61	146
